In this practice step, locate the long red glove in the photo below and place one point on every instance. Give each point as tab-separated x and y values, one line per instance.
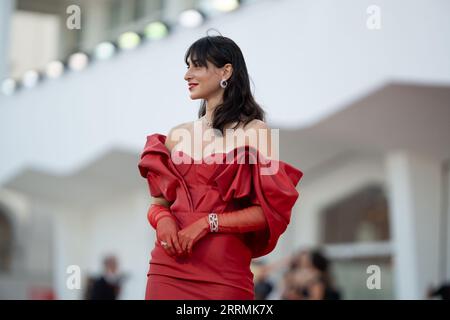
157	212
240	221
162	220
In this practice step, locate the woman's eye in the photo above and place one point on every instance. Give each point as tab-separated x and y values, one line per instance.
195	66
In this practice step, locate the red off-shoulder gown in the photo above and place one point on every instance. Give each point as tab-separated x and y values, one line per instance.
219	267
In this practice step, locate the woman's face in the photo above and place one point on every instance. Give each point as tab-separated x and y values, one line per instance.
206	79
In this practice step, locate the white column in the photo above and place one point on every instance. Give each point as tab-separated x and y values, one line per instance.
172	8
151	7
6	10
96	17
446	236
69	249
414	193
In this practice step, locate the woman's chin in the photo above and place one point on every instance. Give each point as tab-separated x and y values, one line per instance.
194	96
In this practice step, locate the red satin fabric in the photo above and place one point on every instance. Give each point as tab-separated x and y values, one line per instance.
222	182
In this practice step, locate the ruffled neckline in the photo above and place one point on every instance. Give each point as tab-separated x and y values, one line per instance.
157	141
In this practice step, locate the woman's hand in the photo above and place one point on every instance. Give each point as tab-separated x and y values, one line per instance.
167	230
192	233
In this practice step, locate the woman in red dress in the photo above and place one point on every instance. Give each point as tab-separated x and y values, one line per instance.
214	211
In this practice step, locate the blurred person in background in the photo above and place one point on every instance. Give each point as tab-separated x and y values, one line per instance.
288	288
442	291
263	285
107	286
308	278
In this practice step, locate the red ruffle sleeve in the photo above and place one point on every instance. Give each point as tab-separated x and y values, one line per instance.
154	165
271	185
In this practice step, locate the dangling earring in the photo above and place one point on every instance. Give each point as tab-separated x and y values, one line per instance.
223	83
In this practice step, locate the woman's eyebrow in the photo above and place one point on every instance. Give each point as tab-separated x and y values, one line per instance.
194	61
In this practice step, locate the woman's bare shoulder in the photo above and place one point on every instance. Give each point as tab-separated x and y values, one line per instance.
262	134
256	124
172	139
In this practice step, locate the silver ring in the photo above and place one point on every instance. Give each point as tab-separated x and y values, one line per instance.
164	244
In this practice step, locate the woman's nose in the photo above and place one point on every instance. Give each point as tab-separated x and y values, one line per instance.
187	76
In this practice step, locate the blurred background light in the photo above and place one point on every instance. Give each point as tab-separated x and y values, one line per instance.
225	5
129	40
190	18
78	61
54	69
156	30
9	86
30	79
104	50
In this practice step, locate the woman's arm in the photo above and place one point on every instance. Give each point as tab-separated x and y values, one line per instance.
162	220
240	221
159	208
161	201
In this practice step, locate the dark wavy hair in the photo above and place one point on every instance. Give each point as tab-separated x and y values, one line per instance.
238	102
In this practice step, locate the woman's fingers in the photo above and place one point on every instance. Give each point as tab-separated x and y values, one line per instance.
184	244
168	246
172	247
180	241
189	248
176	244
